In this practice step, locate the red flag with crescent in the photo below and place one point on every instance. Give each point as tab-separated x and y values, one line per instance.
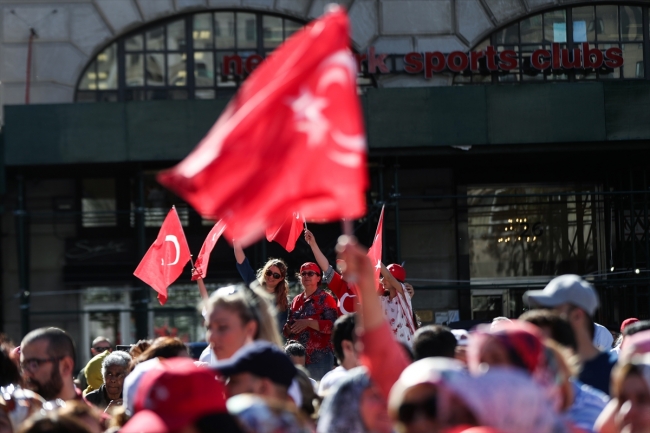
201	262
288	233
163	263
292	138
374	252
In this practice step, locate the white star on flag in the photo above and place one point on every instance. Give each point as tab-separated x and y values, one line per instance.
378	265
308	115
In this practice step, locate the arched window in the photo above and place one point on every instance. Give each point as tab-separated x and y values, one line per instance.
585	42
196	56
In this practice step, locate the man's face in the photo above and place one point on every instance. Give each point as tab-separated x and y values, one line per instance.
297	360
100	347
243	383
41	371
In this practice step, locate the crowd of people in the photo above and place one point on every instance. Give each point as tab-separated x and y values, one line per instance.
346	355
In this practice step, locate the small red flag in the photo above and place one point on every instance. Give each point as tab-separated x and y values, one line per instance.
164	261
292	138
201	262
288	233
374	253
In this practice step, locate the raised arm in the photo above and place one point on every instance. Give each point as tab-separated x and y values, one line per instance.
240	256
318	254
394	285
244	267
382	354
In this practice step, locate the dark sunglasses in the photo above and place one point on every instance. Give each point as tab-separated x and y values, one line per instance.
102	348
308	274
268	273
409	411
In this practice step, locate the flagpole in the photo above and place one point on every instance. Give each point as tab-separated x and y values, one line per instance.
199	282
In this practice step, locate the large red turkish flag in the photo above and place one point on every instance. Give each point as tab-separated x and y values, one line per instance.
292	138
163	263
288	233
201	262
374	252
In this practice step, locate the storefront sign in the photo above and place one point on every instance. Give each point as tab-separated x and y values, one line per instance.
483	61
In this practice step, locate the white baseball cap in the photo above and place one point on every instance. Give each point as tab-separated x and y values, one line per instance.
565	289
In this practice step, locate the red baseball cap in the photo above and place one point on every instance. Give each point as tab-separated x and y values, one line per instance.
397	271
174	395
309	266
628	322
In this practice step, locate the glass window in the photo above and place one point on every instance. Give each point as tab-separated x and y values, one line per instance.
530	231
631	23
204	69
176	36
273	34
607	23
156	39
632	60
152	63
531	30
155	69
98	204
555	26
202	32
246	30
290	27
509	35
224	30
107	68
584	27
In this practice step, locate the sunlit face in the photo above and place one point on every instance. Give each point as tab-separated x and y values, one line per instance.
114	380
494	354
374	411
226	332
633	415
309	279
45	378
271	280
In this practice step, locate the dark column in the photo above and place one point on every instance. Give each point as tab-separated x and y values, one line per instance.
23	257
140	299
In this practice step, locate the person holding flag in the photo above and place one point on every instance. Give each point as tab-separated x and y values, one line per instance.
396	303
272	277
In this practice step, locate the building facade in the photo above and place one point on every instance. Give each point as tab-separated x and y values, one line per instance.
507	138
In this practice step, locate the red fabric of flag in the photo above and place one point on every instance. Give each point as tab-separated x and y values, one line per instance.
374	252
288	233
292	138
201	262
163	263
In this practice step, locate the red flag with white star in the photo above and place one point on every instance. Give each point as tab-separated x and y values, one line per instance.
288	233
374	252
165	259
292	138
201	262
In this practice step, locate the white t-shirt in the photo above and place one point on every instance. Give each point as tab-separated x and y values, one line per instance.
208	356
399	313
330	379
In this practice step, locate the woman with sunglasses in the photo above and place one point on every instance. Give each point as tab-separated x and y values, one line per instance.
310	321
272	277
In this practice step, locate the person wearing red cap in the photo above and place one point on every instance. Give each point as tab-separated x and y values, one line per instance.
396	303
178	396
311	319
621	337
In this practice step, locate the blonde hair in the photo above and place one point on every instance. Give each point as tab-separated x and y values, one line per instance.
281	291
249	303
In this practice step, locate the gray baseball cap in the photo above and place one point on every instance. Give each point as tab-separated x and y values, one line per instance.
565	289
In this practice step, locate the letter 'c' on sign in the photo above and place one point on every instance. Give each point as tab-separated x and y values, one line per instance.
173	239
537	59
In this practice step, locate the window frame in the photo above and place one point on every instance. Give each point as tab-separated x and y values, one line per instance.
165	92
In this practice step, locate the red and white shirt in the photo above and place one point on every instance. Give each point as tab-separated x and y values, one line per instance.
399	314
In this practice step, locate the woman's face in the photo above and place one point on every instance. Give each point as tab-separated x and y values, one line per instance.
309	279
634	411
226	332
114	380
374	412
271	280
